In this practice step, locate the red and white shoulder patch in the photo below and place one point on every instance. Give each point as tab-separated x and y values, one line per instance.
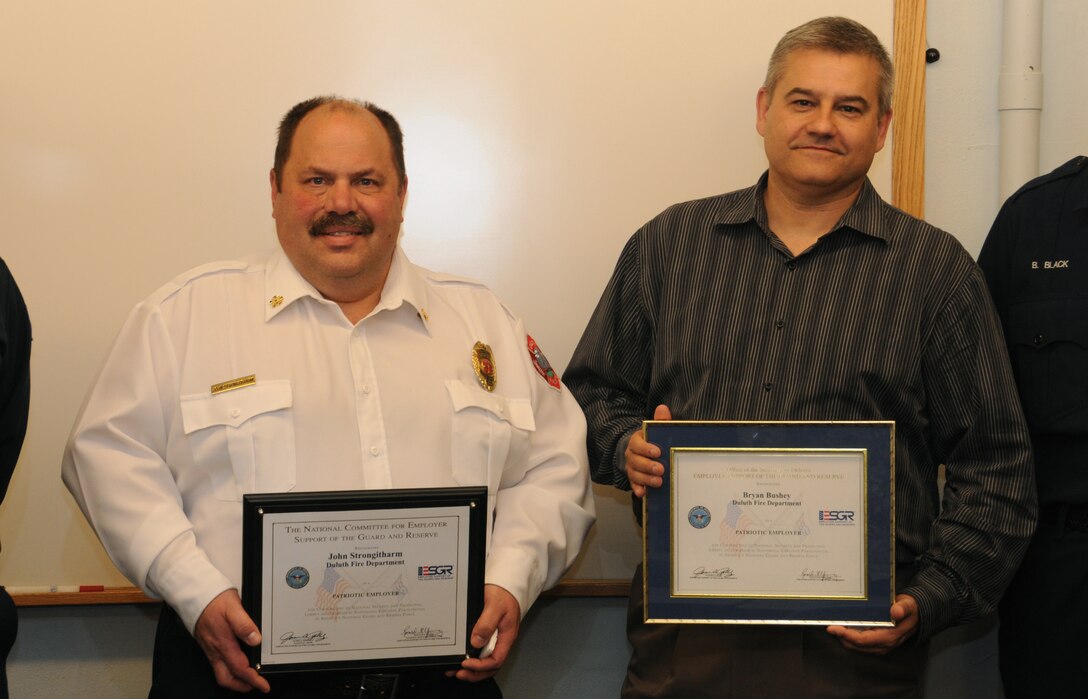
542	366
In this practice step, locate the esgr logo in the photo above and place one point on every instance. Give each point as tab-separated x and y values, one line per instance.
836	517
435	572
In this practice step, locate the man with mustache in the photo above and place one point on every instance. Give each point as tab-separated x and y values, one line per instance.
806	297
355	370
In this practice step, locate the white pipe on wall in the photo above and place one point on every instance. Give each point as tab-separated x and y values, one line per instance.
1020	93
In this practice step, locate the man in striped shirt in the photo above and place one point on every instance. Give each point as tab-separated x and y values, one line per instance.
807	297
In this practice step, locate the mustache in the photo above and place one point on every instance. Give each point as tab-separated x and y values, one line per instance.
819	143
360	225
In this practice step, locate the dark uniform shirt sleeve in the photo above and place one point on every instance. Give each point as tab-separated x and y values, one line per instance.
14	375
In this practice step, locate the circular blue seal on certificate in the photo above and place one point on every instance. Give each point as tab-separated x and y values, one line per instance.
698	516
297	577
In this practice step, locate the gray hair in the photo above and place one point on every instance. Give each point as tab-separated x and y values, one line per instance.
838	35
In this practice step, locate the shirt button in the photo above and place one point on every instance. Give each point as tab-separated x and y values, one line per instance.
780	324
1038	339
235	413
768	386
366	388
374	451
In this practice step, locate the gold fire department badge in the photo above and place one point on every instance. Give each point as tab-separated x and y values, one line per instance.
484	364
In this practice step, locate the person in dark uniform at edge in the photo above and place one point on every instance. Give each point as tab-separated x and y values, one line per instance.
14	406
1036	262
807	297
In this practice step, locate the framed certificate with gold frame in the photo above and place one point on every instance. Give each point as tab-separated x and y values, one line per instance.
771	523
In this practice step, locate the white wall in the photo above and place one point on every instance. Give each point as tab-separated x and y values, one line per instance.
136	138
962	126
961	117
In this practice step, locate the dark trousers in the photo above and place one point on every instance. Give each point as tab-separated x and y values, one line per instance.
180	670
1041	638
714	661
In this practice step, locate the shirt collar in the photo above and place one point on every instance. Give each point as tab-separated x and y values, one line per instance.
283	285
865	215
404	285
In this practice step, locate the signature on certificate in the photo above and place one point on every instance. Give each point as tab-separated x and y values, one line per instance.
424	633
820	575
290	638
716	573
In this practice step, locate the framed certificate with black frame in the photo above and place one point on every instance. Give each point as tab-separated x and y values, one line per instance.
771	523
374	580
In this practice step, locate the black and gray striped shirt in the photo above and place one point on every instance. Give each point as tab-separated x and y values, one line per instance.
884	318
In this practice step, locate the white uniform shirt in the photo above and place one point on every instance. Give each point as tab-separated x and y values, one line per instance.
158	464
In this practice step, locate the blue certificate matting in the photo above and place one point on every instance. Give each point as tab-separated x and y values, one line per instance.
771	523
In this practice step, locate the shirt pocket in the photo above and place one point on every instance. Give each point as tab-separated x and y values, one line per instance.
487	432
1049	341
244	439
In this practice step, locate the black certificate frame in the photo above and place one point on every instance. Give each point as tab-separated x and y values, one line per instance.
414	503
875	438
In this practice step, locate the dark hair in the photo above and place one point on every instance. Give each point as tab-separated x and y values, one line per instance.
840	35
289	124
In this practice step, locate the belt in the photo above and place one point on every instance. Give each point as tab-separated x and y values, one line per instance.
380	686
349	685
1072	517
